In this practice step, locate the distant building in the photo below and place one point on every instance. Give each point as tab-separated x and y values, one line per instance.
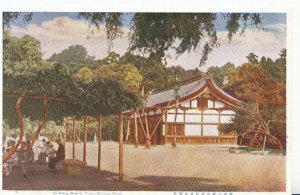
201	108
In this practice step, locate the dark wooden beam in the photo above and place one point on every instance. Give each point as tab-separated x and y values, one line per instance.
120	146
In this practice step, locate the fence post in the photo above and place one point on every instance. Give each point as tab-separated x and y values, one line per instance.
120	146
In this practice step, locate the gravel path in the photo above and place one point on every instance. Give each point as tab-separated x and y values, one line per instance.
161	168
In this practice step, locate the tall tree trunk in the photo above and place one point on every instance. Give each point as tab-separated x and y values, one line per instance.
99	142
84	139
74	135
21	134
41	125
120	146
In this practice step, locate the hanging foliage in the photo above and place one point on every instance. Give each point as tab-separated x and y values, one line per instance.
158	32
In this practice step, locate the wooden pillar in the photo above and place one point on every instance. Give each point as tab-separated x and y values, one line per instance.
264	143
120	146
202	113
175	126
74	135
65	133
147	131
219	122
166	126
99	142
136	130
184	126
84	139
128	129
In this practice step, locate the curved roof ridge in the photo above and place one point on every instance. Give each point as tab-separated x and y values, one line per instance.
184	82
224	93
187	88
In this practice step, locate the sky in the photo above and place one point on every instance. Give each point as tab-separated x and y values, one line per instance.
58	30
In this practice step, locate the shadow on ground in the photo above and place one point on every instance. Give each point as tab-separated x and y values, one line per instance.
41	178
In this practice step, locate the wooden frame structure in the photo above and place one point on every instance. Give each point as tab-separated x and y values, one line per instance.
163	120
193	118
46	99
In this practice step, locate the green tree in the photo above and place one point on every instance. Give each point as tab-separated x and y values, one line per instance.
85	74
126	74
157	32
277	68
112	58
266	63
22	55
252	58
73	57
154	74
220	74
182	73
257	124
281	67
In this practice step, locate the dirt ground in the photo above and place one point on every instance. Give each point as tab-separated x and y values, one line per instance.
161	168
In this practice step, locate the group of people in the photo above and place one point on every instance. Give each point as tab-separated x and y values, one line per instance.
22	158
47	151
26	155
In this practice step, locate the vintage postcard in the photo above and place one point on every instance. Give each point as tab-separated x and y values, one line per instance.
113	102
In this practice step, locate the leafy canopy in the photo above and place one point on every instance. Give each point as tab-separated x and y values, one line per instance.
73	57
22	55
126	74
277	68
220	74
251	83
158	32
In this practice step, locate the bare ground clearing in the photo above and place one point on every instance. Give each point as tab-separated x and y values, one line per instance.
161	168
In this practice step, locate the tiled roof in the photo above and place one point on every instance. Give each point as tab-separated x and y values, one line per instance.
186	88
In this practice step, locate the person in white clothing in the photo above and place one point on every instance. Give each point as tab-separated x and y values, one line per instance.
43	154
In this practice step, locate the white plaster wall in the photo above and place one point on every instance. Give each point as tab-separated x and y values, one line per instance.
193	111
210	104
226	119
158	111
185	104
210	118
227	112
219	104
193	130
210	112
180	118
210	130
194	103
193	118
174	111
171	118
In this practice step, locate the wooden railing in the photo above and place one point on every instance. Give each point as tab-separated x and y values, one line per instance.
202	139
